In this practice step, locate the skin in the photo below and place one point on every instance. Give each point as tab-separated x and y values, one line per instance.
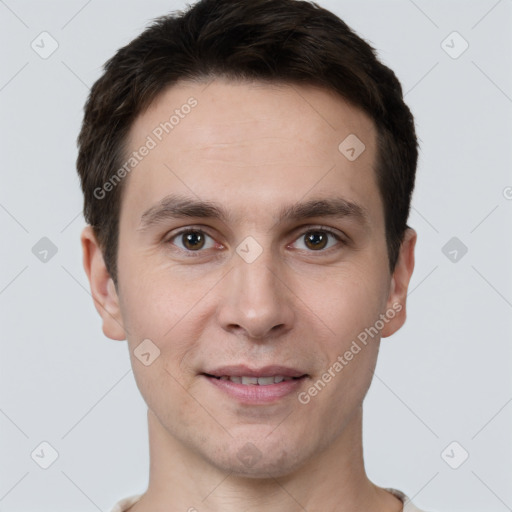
253	148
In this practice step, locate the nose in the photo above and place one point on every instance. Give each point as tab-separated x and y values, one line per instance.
256	300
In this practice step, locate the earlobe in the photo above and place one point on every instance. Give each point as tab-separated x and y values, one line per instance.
396	303
102	286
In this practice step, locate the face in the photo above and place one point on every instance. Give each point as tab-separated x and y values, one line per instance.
251	245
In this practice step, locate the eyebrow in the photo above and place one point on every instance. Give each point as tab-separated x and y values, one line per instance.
175	206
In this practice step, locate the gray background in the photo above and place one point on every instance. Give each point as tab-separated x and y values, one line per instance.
446	376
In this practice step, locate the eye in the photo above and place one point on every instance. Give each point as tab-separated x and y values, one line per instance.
192	240
318	239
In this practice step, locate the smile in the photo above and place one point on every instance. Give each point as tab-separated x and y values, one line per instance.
260	388
255	381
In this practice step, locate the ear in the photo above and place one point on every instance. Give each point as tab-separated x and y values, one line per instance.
103	290
400	284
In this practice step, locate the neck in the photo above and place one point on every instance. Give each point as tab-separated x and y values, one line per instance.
333	480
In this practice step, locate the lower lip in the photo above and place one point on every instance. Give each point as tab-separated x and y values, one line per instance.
254	393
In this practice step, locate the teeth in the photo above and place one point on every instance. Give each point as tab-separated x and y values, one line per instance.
265	381
261	381
249	380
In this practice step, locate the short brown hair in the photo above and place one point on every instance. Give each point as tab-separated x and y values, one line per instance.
281	41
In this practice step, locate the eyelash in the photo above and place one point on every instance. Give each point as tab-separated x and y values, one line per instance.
312	229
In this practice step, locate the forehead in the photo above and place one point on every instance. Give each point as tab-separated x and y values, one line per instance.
251	144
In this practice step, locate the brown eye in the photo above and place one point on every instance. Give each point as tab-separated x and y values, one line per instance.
316	239
193	240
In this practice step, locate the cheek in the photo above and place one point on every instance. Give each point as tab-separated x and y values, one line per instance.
351	354
170	308
157	297
347	300
350	304
152	310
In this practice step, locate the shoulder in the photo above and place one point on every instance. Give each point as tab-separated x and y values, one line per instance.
126	503
408	504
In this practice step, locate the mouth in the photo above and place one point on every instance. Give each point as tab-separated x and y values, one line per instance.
256	386
255	381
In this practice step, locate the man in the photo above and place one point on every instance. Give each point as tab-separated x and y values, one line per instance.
247	169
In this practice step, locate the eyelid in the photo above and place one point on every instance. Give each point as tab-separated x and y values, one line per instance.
319	227
174	233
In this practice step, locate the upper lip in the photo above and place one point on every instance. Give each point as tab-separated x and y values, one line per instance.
246	371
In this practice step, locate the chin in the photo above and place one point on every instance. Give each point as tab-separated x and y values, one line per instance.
248	459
